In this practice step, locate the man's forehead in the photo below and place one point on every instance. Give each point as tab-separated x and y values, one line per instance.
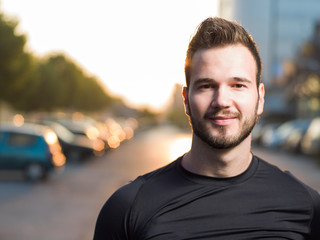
235	52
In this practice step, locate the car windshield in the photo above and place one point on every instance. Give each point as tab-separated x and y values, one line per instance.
62	132
18	139
285	129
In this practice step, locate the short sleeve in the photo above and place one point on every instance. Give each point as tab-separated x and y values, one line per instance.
315	217
315	224
113	219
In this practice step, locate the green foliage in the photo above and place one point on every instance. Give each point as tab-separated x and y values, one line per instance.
15	63
61	84
55	82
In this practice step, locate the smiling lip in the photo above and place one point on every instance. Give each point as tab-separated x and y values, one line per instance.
222	120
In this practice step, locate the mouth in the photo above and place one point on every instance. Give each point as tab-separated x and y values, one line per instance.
222	119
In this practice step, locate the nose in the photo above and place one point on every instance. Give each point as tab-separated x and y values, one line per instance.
221	98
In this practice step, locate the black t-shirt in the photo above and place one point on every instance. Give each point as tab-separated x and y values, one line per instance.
172	203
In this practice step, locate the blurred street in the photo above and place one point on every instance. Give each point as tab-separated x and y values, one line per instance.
78	122
65	207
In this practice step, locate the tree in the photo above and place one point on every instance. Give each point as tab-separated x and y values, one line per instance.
55	82
61	84
15	63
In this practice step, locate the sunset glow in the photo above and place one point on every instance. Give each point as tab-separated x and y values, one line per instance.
136	48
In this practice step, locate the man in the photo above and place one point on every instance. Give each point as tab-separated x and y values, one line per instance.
218	190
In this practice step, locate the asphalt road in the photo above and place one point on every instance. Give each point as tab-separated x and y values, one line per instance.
66	206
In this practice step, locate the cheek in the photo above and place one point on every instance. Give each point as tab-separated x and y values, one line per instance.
199	103
247	105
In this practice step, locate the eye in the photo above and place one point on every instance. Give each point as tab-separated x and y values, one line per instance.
239	85
206	86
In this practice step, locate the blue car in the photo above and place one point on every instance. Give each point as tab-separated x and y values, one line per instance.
30	148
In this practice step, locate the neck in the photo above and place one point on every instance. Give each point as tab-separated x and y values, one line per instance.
205	160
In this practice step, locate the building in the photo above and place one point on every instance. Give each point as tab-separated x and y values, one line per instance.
281	28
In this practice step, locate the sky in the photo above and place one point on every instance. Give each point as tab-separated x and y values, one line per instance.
136	48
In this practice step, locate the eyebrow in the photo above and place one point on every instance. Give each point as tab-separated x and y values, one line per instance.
243	80
204	80
210	80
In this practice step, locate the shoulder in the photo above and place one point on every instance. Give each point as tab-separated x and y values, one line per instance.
294	190
286	176
115	218
283	178
114	215
163	172
126	195
285	184
314	198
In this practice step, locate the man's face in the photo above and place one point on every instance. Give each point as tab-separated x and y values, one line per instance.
222	100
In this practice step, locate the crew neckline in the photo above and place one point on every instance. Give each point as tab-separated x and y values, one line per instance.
202	179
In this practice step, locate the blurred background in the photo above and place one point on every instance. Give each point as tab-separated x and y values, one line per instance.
90	98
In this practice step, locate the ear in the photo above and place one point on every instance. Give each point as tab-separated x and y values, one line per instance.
261	90
185	100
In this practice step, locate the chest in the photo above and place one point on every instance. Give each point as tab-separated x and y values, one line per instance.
228	213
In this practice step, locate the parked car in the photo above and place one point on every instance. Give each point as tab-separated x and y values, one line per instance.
85	129
268	133
75	147
279	135
31	148
294	139
310	143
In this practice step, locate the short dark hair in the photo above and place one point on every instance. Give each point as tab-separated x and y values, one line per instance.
218	32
